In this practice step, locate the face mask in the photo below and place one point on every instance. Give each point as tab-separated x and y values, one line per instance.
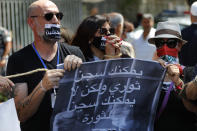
52	32
167	54
99	43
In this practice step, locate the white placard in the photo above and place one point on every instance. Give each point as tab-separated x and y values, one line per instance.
8	116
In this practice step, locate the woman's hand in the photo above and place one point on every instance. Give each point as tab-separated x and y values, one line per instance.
174	73
113	44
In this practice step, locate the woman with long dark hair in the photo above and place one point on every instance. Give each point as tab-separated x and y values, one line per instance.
96	40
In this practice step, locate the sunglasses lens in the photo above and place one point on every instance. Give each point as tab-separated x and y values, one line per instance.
112	31
159	43
48	16
59	15
172	43
103	31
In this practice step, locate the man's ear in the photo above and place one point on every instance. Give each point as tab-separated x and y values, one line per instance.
30	22
119	30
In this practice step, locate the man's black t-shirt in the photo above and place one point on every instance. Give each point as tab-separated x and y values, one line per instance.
27	60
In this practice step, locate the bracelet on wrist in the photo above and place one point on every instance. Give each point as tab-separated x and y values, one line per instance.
42	88
112	56
179	87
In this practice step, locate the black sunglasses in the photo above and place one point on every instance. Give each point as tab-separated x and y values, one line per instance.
104	31
49	16
171	43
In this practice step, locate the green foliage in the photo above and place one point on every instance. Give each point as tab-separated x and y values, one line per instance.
129	8
127	3
3	97
5	94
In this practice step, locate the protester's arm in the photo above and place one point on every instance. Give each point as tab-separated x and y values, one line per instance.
8	45
189	106
191	90
27	105
4	58
187	92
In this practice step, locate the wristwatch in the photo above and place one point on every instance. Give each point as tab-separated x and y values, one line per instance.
195	81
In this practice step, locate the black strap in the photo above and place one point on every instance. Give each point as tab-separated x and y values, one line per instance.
168	31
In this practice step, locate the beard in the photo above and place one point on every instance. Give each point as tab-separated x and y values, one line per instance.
48	40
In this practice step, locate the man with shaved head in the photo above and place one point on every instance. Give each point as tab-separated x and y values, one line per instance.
35	94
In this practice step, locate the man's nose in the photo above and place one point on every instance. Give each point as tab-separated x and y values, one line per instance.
55	20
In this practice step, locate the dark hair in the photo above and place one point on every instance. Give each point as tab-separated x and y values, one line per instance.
86	31
190	2
66	35
128	25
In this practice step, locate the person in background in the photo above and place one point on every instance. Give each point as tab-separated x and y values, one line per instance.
138	20
35	94
5	48
143	49
127	29
116	23
186	55
94	11
66	35
172	111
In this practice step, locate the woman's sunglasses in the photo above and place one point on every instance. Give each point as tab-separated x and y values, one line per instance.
49	16
104	31
171	43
